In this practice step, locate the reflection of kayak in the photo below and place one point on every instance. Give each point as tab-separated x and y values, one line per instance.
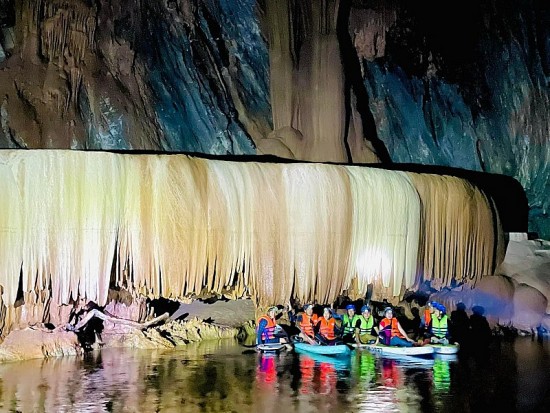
340	363
396	351
338	350
446	357
445	349
270	347
409	361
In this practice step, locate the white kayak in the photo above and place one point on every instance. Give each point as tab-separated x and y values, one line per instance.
270	347
396	351
445	348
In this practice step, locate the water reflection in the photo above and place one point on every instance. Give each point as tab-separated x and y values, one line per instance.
222	376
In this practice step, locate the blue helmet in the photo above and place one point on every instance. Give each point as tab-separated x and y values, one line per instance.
307	306
365	308
442	308
350	307
388	309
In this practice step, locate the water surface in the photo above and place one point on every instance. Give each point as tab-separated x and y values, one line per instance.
224	376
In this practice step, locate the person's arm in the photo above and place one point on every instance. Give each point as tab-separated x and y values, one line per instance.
336	316
338	330
403	332
357	332
261	328
429	330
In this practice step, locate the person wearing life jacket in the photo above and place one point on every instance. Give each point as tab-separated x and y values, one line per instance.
267	330
391	332
327	331
365	326
439	326
427	317
349	324
306	322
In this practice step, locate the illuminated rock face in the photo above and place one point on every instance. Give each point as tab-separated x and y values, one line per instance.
76	223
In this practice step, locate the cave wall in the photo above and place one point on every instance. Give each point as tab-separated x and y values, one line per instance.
464	86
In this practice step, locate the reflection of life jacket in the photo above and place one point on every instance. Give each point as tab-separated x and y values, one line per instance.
327	377
349	324
442	375
307	323
326	328
390	373
387	325
269	330
366	325
307	369
440	327
367	366
267	369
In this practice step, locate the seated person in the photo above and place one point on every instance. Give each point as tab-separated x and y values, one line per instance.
438	329
267	330
426	318
349	321
364	327
327	331
391	332
306	322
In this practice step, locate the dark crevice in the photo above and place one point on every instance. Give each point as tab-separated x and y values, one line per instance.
354	83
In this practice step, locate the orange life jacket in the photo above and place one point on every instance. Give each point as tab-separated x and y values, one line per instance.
387	324
269	331
326	328
307	323
427	316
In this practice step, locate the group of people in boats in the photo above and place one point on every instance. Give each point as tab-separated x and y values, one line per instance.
351	327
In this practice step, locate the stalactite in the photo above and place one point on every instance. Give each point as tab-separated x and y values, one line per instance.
177	226
459	237
67	26
307	82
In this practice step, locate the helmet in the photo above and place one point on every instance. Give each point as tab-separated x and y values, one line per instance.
441	308
350	307
273	308
365	308
388	309
433	304
307	306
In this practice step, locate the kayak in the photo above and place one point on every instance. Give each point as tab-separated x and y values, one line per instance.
270	347
338	350
445	349
396	351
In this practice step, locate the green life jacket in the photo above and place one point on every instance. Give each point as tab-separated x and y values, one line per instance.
440	327
366	325
349	325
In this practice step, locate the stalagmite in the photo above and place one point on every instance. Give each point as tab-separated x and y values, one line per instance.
75	223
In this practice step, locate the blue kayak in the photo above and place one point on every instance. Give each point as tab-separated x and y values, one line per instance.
338	350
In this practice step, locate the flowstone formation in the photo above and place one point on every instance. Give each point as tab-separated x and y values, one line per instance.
78	223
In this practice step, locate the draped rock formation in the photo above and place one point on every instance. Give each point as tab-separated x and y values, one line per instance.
76	223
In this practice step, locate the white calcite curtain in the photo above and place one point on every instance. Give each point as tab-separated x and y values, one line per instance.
176	226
